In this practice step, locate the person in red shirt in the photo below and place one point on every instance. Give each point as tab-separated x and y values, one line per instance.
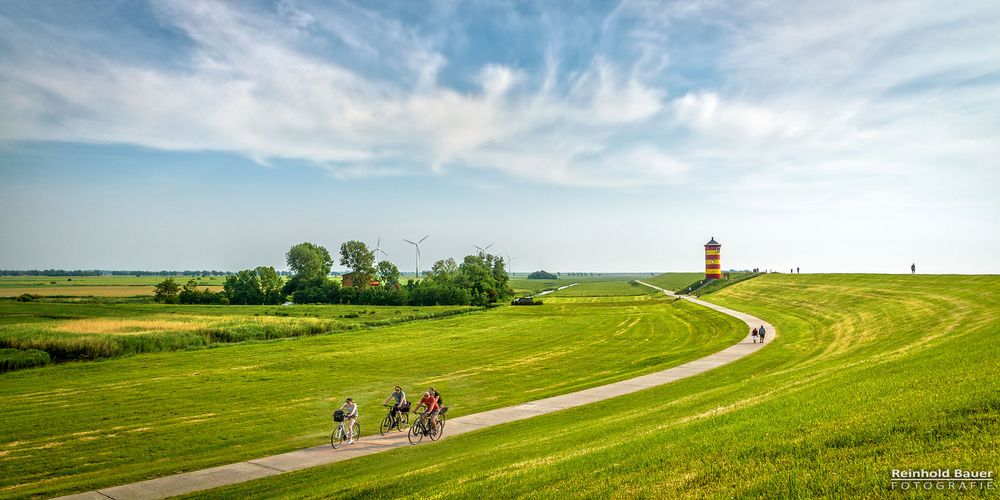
430	404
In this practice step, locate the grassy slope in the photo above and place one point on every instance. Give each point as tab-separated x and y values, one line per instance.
674	281
621	286
870	373
525	286
132	418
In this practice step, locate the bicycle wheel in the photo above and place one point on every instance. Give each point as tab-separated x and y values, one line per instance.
441	420
435	433
356	431
386	425
337	437
403	422
416	433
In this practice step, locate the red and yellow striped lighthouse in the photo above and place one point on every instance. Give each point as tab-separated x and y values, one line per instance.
713	260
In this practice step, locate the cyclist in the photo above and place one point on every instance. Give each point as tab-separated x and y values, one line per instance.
400	398
437	396
430	404
350	416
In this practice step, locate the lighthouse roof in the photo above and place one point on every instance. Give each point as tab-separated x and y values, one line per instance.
712	241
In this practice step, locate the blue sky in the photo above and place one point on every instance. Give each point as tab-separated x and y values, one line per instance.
599	136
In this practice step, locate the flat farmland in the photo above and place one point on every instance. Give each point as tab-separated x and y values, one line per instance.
95	286
131	418
86	290
69	331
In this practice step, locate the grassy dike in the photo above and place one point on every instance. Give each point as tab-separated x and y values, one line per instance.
870	373
79	426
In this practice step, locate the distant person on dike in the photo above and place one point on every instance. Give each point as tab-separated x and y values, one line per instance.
754	335
760	331
913	268
350	416
430	404
399	396
797	271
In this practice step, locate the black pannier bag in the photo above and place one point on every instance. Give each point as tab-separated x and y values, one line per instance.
405	407
338	416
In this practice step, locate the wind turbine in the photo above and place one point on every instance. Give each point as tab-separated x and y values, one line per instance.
417	244
509	261
378	249
481	249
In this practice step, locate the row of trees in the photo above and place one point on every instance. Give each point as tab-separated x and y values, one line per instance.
478	280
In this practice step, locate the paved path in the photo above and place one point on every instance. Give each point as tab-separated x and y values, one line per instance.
199	480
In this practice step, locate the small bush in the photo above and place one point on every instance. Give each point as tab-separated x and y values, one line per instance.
28	297
16	359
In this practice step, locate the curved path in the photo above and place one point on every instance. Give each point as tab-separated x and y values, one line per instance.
188	482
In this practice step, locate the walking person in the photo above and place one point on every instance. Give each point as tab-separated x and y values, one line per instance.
350	416
760	332
913	268
753	335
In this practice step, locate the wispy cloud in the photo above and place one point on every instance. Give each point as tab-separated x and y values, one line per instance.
634	96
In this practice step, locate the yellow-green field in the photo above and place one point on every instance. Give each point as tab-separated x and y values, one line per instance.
86	290
127	419
869	373
95	286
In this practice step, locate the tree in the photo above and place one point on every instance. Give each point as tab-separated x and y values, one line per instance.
243	288
388	273
190	294
444	271
166	291
356	256
309	260
542	275
270	285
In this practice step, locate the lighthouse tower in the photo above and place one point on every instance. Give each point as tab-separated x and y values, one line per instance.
713	260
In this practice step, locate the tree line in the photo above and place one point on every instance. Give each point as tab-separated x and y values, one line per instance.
479	279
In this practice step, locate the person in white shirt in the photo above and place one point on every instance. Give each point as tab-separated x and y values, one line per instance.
350	416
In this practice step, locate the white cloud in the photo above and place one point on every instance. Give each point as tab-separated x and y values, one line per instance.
801	93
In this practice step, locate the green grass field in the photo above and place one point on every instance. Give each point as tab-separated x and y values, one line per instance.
78	426
62	281
524	286
69	331
870	373
95	286
601	286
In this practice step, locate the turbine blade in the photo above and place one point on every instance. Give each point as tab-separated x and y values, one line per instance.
408	241
422	239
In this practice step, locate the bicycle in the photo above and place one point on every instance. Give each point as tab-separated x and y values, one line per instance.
340	432
398	420
422	427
